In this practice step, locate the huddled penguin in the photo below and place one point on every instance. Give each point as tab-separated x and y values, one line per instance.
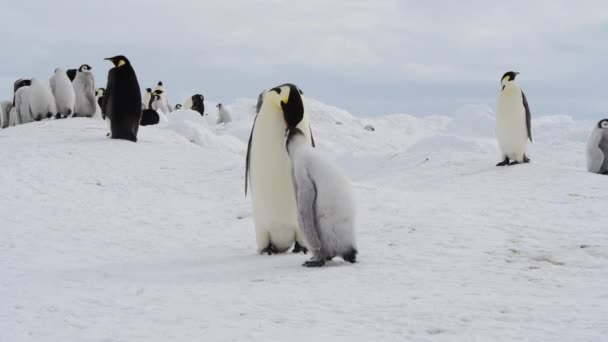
122	100
223	114
150	116
268	169
71	73
164	99
84	88
260	100
597	149
177	107
326	205
42	101
513	122
159	103
63	91
5	109
147	96
21	113
99	95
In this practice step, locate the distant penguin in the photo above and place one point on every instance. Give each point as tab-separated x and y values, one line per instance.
62	89
159	103
147	96
71	73
597	149
164	97
268	169
325	200
5	109
84	88
21	113
223	114
513	122
99	95
122	100
260	100
42	101
177	107
150	116
198	104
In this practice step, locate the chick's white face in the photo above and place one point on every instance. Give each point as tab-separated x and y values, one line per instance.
603	124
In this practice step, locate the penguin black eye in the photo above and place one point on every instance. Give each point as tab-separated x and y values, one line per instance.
277	90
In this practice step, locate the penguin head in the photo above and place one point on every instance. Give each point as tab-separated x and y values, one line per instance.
178	106
288	99
160	83
507	78
156	97
219	105
148	90
118	61
85	68
603	124
158	92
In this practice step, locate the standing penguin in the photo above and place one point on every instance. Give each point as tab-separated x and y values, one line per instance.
122	100
223	114
162	91
326	205
268	168
99	95
64	93
21	113
147	96
159	103
513	122
84	88
42	101
71	73
597	149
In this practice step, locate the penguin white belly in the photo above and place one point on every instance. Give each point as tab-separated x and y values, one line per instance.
511	130
595	155
274	204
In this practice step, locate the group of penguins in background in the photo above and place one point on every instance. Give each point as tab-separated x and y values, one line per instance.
72	93
299	197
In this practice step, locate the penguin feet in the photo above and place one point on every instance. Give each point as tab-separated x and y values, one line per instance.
270	250
504	162
526	159
314	263
515	162
49	115
350	256
297	248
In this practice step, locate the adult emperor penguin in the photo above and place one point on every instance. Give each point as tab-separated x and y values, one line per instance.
42	101
84	88
147	96
326	205
513	122
63	91
223	114
597	149
268	169
122	100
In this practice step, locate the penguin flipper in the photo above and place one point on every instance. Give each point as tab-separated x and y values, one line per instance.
528	115
312	139
248	158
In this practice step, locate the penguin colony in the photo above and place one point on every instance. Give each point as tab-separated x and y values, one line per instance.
300	199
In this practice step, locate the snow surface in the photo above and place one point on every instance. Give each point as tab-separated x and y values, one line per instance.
107	240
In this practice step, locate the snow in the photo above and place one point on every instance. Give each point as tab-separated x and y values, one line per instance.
105	240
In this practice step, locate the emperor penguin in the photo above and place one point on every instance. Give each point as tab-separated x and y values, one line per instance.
99	95
513	122
42	101
62	88
122	100
161	89
71	73
223	114
159	103
268	169
597	149
325	200
147	96
21	112
84	88
260	100
150	116
5	109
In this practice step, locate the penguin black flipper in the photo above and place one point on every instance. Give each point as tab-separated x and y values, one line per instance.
528	115
312	139
248	158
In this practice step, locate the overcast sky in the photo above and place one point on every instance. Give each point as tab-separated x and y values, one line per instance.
369	57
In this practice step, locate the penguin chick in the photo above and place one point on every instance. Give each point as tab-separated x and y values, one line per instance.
223	114
84	89
63	90
597	149
325	201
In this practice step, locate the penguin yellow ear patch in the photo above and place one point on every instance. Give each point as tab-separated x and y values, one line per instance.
120	63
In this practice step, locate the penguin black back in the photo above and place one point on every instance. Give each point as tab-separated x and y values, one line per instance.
122	100
198	104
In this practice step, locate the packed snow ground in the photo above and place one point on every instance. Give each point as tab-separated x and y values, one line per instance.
105	240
